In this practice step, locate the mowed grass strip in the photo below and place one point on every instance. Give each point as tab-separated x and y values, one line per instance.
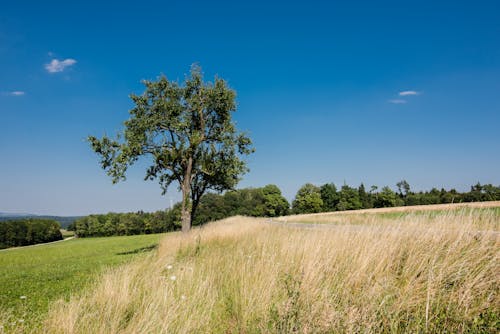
32	277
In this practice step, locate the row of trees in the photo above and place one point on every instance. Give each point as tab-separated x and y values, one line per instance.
269	202
109	224
312	199
258	202
16	233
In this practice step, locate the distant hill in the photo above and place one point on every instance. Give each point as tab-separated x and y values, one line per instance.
6	214
64	221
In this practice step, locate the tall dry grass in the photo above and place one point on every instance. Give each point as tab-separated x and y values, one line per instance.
243	275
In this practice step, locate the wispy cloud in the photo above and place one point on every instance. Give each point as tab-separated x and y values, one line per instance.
16	93
59	65
408	93
397	101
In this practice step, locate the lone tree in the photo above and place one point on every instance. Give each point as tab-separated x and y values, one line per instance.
187	132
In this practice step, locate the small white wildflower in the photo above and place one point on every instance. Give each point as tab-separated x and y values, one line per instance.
169	267
173	278
21	321
23	297
183	297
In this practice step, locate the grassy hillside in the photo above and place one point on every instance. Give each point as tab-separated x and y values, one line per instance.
32	277
432	212
422	272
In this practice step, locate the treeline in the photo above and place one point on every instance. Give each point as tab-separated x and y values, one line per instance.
63	221
126	223
26	232
265	202
257	202
312	199
269	202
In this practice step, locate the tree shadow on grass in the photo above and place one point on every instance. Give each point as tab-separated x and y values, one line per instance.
139	250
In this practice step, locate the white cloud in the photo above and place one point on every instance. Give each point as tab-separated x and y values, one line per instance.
408	93
17	93
397	101
59	65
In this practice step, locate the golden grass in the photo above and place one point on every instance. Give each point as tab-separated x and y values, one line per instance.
243	275
361	215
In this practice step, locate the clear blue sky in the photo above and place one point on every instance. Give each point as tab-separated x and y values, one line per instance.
330	91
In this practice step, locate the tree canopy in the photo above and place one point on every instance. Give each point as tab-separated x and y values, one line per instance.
308	199
31	231
187	132
268	202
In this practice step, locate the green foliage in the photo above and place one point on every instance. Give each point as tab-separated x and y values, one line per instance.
128	223
48	272
351	199
364	197
403	188
274	204
329	196
187	132
257	202
348	199
307	200
387	198
63	221
28	232
269	202
480	192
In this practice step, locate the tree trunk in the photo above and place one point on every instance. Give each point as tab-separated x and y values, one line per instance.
185	215
186	198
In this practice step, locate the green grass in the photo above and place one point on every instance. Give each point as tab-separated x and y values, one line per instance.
44	273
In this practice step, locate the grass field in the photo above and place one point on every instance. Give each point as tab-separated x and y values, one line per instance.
430	272
431	212
32	277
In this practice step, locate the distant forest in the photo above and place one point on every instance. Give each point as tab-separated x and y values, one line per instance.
269	202
26	232
64	221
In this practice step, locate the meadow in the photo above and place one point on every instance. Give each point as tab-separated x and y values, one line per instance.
431	213
34	276
414	272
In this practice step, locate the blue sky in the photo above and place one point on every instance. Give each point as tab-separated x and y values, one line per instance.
330	91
